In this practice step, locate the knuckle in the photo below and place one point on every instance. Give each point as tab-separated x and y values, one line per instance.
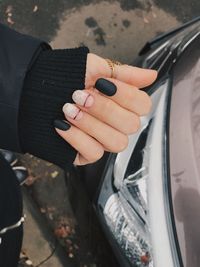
108	105
147	103
131	95
130	74
121	144
137	124
133	124
96	155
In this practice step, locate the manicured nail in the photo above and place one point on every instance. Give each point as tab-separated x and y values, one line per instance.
72	111
106	87
61	125
83	98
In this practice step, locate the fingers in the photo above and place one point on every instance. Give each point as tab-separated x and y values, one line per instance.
98	67
103	122
89	150
127	96
111	139
105	110
136	76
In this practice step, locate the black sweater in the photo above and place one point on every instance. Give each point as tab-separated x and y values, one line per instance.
35	82
48	86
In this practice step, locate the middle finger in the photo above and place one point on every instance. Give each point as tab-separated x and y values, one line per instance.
107	111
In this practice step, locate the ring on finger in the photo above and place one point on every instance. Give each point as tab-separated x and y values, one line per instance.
112	64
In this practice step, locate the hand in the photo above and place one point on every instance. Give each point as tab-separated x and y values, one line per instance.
99	120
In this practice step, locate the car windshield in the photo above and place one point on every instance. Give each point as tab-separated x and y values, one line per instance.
184	154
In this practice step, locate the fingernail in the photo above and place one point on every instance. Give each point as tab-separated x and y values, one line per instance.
61	125
72	111
106	87
83	98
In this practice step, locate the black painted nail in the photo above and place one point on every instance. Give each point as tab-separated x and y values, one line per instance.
106	87
61	125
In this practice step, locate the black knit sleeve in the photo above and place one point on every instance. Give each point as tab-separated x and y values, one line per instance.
47	87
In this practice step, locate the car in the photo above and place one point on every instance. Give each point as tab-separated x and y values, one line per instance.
145	201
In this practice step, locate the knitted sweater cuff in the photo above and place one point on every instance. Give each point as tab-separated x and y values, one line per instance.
49	84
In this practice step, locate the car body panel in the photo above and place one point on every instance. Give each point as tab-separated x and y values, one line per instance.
184	142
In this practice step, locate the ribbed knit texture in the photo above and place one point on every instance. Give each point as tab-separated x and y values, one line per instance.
53	78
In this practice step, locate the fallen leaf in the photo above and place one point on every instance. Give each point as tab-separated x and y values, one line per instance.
10	21
54	174
35	9
63	231
29	263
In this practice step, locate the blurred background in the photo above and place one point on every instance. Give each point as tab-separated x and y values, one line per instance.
116	29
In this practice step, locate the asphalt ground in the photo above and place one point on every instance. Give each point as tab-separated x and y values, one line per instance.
45	22
110	28
115	29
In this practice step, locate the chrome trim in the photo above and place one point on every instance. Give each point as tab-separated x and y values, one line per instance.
190	41
123	158
162	242
157	50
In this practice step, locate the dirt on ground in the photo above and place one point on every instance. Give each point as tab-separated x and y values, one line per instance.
47	186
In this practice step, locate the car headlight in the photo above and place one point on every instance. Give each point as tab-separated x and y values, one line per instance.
125	200
126	211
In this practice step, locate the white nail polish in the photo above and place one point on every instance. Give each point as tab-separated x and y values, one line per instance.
83	98
71	110
80	97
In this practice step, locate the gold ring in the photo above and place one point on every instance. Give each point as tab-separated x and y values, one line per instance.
111	64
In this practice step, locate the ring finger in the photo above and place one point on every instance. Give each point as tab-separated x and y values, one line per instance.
111	139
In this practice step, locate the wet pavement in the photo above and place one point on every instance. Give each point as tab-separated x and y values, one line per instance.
115	29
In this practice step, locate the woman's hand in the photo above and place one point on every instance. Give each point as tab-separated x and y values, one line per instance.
107	111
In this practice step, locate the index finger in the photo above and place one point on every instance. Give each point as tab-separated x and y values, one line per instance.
98	67
135	76
126	95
